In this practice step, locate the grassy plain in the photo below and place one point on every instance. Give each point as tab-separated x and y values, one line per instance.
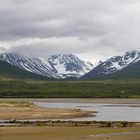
70	89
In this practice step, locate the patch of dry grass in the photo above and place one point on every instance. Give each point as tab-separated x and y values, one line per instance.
67	133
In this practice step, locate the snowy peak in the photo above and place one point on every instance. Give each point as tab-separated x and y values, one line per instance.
129	57
119	62
132	56
64	58
70	65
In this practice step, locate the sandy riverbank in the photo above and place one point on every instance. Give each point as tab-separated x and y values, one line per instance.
27	110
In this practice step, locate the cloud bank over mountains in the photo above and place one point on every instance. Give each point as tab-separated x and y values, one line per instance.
93	29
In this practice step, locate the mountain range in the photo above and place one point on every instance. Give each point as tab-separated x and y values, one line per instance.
63	66
58	66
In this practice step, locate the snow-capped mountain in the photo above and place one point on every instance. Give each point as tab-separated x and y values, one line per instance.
114	64
119	62
69	65
55	66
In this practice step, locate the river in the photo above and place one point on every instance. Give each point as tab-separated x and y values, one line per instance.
106	112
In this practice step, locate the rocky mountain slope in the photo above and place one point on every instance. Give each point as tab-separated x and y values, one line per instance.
9	71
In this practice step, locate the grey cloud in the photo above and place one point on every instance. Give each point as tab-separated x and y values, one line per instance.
31	18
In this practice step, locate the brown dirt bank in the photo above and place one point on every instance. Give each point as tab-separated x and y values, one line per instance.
27	110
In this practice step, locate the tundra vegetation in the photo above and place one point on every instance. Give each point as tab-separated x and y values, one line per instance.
70	89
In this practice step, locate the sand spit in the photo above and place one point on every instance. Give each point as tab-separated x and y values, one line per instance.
27	110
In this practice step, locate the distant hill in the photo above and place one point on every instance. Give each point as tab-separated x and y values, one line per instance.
10	71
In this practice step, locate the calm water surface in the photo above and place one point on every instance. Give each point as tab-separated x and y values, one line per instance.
106	112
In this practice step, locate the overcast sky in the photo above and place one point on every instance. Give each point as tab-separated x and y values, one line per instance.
91	29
